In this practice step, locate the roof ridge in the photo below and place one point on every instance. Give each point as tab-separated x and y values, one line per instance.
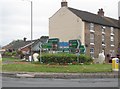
93	13
94	18
83	11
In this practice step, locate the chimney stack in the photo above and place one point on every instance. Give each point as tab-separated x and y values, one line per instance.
64	3
24	38
101	12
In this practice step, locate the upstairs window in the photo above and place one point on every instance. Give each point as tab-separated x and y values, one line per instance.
103	29
112	41
112	30
112	38
103	38
91	27
92	38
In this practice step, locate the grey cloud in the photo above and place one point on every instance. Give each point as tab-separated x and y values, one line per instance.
15	15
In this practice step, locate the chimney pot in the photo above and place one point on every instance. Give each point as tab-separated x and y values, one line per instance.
24	38
101	12
101	9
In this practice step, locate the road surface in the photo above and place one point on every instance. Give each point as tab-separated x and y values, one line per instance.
39	82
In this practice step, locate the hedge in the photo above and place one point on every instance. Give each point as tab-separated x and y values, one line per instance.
65	58
10	53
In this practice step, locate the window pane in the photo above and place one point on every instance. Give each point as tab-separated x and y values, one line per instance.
103	30
92	52
91	38
103	37
112	38
112	30
91	26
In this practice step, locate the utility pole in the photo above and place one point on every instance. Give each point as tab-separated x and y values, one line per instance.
31	9
31	27
40	53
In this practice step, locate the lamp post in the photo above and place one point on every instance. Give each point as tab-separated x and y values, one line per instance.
31	9
31	27
40	46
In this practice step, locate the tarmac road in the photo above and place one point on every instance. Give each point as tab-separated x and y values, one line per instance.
51	82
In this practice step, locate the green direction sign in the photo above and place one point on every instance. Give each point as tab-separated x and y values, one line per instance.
74	43
53	40
63	49
82	49
47	45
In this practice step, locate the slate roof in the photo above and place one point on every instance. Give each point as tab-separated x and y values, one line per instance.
16	45
43	39
19	44
94	18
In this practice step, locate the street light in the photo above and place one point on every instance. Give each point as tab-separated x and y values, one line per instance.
31	9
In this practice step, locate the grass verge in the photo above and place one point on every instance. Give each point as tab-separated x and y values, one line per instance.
19	66
56	68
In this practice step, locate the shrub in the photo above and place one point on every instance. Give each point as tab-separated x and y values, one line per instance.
8	53
14	53
85	59
63	58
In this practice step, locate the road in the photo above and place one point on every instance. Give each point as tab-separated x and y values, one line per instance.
39	82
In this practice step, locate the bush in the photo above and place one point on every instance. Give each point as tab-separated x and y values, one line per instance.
14	53
8	53
85	59
64	58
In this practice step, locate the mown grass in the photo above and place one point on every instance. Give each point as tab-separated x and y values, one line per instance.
10	59
19	66
57	68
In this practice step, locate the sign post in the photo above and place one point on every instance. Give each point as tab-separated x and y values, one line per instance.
40	53
78	51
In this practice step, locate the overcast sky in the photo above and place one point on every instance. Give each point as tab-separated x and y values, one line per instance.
15	16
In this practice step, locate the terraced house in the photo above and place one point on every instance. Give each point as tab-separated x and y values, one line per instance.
96	31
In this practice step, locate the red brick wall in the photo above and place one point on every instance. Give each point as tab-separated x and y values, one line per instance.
98	39
25	49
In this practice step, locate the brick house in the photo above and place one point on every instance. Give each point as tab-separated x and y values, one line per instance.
25	45
96	31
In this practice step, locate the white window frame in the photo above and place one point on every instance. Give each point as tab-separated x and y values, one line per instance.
112	45
91	28
111	38
103	29
103	38
112	30
92	38
112	41
92	52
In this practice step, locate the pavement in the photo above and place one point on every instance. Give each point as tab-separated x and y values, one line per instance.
59	75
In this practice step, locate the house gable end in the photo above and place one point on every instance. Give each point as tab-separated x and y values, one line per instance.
66	25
